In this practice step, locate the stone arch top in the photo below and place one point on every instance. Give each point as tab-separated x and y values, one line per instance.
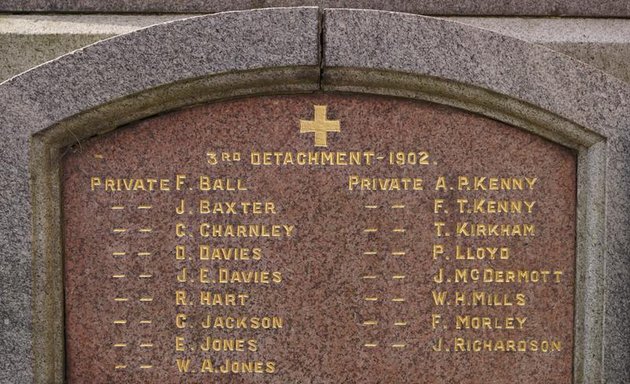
255	40
287	50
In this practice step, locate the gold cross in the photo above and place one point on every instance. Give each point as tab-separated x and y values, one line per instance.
320	126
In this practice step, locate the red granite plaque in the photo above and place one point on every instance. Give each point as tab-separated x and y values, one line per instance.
319	239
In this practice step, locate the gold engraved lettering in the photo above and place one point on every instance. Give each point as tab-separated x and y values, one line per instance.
180	298
227	276
439	228
222	299
180	252
438	250
235	208
229	345
206	252
110	184
438	205
206	183
180	182
483	183
356	183
481	253
180	320
495	206
440	184
468	229
435	320
439	298
409	158
490	275
490	299
480	322
179	344
183	365
254	322
180	230
500	345
312	158
246	230
238	367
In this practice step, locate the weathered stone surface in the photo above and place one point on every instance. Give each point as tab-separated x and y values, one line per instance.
418	45
27	41
322	265
535	85
586	8
127	64
602	43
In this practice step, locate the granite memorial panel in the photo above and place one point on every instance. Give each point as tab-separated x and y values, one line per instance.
319	239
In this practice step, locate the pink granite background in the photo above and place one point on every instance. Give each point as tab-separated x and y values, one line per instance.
321	295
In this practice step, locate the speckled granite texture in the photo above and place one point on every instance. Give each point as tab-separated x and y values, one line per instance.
584	8
321	297
171	65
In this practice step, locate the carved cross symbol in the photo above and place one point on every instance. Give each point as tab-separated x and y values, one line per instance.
320	126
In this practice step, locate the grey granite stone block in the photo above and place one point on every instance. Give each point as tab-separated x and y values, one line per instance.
29	40
181	63
602	43
446	50
166	53
587	8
